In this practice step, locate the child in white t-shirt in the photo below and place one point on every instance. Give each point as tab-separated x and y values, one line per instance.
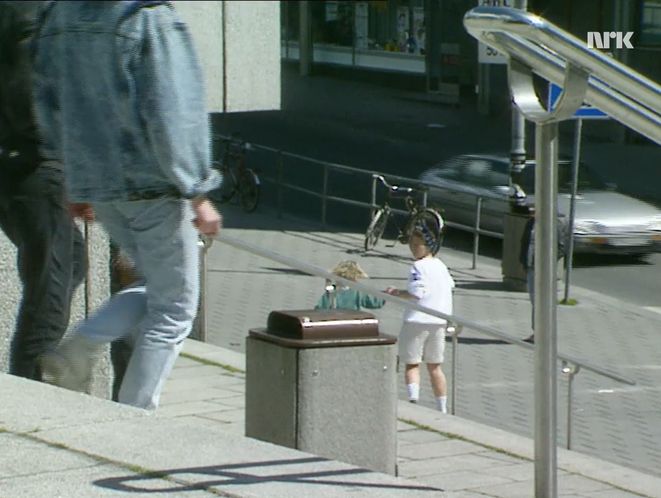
423	336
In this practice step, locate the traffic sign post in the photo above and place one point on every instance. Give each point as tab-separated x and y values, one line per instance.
586	111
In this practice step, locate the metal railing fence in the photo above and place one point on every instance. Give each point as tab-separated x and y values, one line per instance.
281	184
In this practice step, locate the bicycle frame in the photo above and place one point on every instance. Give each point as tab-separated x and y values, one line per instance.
381	215
238	179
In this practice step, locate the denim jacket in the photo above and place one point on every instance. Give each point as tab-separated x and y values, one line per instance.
119	99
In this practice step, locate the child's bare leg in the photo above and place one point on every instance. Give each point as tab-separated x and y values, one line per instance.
438	382
412	378
439	385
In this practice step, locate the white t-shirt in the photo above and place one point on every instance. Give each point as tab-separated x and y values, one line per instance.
430	282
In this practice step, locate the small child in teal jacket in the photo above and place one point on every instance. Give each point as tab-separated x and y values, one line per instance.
345	297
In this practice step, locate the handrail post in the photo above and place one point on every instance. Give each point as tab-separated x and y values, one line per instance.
455	330
476	233
280	174
546	347
571	371
324	196
204	243
88	270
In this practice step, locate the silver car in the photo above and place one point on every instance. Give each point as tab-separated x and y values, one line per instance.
605	221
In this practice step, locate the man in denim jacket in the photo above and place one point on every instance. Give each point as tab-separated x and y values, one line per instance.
120	101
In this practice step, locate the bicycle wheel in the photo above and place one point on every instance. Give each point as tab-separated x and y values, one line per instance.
375	228
248	190
432	221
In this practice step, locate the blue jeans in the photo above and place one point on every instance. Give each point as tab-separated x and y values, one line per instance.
160	238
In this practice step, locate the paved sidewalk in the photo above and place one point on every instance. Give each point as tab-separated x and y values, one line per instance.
58	443
460	457
70	444
73	445
494	379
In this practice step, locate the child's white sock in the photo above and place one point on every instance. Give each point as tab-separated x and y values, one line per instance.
442	403
413	391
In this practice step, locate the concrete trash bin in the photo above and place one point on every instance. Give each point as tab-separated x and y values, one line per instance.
513	271
324	382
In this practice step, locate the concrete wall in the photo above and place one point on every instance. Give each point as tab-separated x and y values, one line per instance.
238	45
10	290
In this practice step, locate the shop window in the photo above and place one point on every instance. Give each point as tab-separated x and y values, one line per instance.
397	26
371	25
650	23
332	22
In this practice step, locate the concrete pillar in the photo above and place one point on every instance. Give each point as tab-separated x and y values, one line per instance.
306	49
238	44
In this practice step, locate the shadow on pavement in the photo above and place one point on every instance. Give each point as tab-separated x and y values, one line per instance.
594	260
479	341
486	286
238	474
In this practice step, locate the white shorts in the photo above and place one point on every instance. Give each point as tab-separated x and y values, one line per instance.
421	342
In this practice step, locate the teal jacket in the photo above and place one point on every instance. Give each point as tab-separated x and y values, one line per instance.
349	299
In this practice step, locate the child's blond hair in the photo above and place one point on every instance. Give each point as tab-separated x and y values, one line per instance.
350	270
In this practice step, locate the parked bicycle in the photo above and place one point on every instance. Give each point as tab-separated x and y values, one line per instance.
416	214
238	179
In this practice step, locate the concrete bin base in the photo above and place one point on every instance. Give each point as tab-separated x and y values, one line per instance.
335	402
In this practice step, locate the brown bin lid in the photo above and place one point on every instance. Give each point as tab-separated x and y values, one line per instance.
378	340
322	324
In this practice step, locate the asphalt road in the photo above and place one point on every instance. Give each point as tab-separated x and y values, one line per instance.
377	128
630	279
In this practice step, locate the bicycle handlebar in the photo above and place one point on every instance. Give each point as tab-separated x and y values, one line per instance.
393	188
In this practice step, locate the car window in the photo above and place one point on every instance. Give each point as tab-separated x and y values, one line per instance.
450	170
477	173
586	179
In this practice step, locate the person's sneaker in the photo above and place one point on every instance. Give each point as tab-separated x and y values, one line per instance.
56	370
70	364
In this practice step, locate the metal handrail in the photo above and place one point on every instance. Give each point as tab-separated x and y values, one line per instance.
613	87
464	322
534	45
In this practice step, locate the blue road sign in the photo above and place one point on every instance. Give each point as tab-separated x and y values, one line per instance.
584	112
